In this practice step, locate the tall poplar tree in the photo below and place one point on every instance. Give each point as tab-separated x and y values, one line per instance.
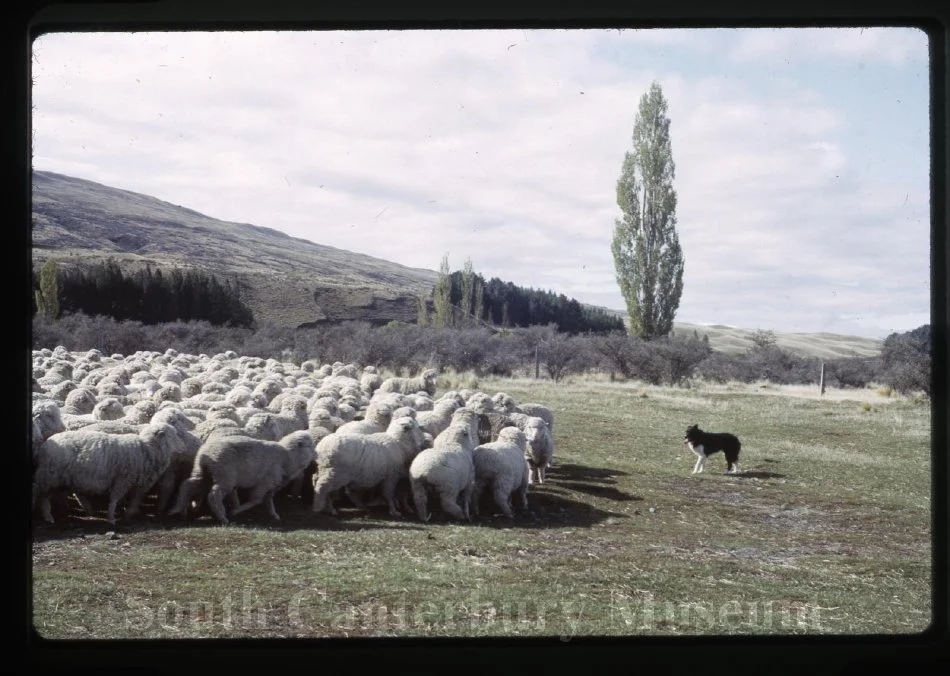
646	249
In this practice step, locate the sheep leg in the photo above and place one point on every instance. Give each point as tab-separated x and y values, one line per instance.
354	497
166	488
296	486
270	506
187	489
118	492
85	504
523	493
135	501
257	496
234	501
419	497
216	503
503	500
465	497
450	506
389	492
475	499
46	508
322	487
541	473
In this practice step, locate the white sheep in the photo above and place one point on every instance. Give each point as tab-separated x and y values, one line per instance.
107	409
377	419
80	401
439	417
540	451
205	429
370	380
47	421
235	462
538	411
501	466
447	469
92	463
425	382
362	461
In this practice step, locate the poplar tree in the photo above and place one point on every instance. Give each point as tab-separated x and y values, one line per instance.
442	300
47	296
646	249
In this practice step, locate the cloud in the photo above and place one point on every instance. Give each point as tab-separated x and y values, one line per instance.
886	45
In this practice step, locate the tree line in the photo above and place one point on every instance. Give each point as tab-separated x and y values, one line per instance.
464	298
150	296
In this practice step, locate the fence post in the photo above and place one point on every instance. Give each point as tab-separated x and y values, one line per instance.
822	381
537	363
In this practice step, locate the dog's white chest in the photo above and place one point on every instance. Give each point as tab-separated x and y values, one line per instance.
697	449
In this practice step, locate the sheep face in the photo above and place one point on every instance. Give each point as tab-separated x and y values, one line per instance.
163	437
430	377
408	427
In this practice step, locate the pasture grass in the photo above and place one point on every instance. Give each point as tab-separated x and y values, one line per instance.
827	531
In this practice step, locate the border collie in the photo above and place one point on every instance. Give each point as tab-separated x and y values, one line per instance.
704	444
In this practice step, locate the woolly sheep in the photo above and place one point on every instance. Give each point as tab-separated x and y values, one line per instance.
425	382
362	461
378	417
447	469
501	467
80	401
504	403
47	421
540	451
292	416
205	429
421	401
107	409
438	418
167	392
233	462
61	390
538	411
370	380
92	463
264	426
480	403
492	423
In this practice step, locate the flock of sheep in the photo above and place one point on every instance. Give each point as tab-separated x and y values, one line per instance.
233	431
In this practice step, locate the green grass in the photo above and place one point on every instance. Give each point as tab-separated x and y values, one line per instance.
827	532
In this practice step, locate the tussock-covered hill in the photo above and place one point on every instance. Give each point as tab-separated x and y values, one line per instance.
292	281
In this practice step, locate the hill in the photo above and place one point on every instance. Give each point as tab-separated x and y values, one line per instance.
291	281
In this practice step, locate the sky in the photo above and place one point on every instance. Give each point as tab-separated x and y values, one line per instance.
801	154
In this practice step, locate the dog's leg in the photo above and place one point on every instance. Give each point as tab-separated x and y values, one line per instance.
702	464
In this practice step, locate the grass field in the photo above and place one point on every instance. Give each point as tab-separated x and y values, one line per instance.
826	532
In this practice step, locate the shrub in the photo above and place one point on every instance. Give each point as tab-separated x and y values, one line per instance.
907	361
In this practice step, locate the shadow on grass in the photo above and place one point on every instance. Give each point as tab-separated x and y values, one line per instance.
570	472
758	474
547	508
295	514
607	492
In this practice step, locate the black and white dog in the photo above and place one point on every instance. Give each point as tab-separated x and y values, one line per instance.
704	444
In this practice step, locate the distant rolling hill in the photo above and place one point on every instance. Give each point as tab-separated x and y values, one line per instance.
290	281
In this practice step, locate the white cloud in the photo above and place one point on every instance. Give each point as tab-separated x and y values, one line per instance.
891	45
